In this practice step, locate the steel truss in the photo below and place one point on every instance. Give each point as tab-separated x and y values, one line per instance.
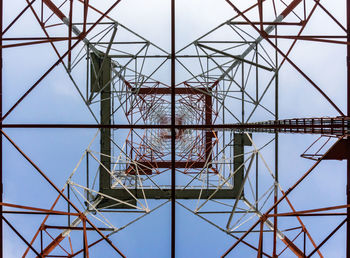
184	135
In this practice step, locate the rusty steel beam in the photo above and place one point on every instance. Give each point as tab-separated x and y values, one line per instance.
74	228
268	23
167	164
291	7
50	247
37	209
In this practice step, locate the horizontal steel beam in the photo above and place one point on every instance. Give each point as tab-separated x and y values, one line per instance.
167	91
165	193
333	126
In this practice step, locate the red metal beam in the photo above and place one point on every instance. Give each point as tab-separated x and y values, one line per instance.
167	91
55	9
290	8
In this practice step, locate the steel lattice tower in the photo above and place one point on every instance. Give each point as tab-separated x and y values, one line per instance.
195	128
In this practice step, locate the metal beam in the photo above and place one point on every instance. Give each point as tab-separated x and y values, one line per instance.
337	126
173	130
1	149
348	139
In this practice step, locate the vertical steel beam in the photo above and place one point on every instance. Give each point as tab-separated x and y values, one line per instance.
100	79
1	186
274	252
239	141
173	133
348	140
208	135
70	27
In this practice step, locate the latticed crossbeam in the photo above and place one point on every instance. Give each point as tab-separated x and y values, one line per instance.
331	126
